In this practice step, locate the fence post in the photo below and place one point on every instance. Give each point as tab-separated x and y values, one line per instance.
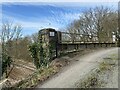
59	39
101	44
94	45
106	44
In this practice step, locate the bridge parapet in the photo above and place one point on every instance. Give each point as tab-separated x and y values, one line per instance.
55	42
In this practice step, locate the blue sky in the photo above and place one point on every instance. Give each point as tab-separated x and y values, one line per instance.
34	16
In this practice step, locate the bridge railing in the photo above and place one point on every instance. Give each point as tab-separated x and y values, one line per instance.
66	37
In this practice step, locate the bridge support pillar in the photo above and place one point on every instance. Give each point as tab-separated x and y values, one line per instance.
48	38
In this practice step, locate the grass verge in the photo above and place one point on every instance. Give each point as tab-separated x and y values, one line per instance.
98	77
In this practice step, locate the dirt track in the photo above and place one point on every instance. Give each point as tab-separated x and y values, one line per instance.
68	77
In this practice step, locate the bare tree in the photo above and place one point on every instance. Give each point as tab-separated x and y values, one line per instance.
9	33
98	21
34	37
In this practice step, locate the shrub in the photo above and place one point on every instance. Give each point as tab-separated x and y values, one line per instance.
6	62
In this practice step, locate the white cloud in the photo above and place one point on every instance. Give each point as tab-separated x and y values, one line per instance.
30	27
57	20
36	23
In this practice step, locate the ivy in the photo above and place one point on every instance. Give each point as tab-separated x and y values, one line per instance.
40	56
41	52
33	48
6	62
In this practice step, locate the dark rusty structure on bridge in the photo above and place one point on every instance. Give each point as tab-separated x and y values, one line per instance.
55	42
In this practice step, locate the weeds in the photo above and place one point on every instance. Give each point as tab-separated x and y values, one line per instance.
95	79
41	75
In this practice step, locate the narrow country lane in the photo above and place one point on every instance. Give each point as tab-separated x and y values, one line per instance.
67	78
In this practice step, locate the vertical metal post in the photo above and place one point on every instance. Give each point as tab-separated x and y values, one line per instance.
56	44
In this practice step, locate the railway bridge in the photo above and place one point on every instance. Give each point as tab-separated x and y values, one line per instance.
54	43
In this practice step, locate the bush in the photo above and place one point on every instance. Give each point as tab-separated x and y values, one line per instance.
6	62
34	49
